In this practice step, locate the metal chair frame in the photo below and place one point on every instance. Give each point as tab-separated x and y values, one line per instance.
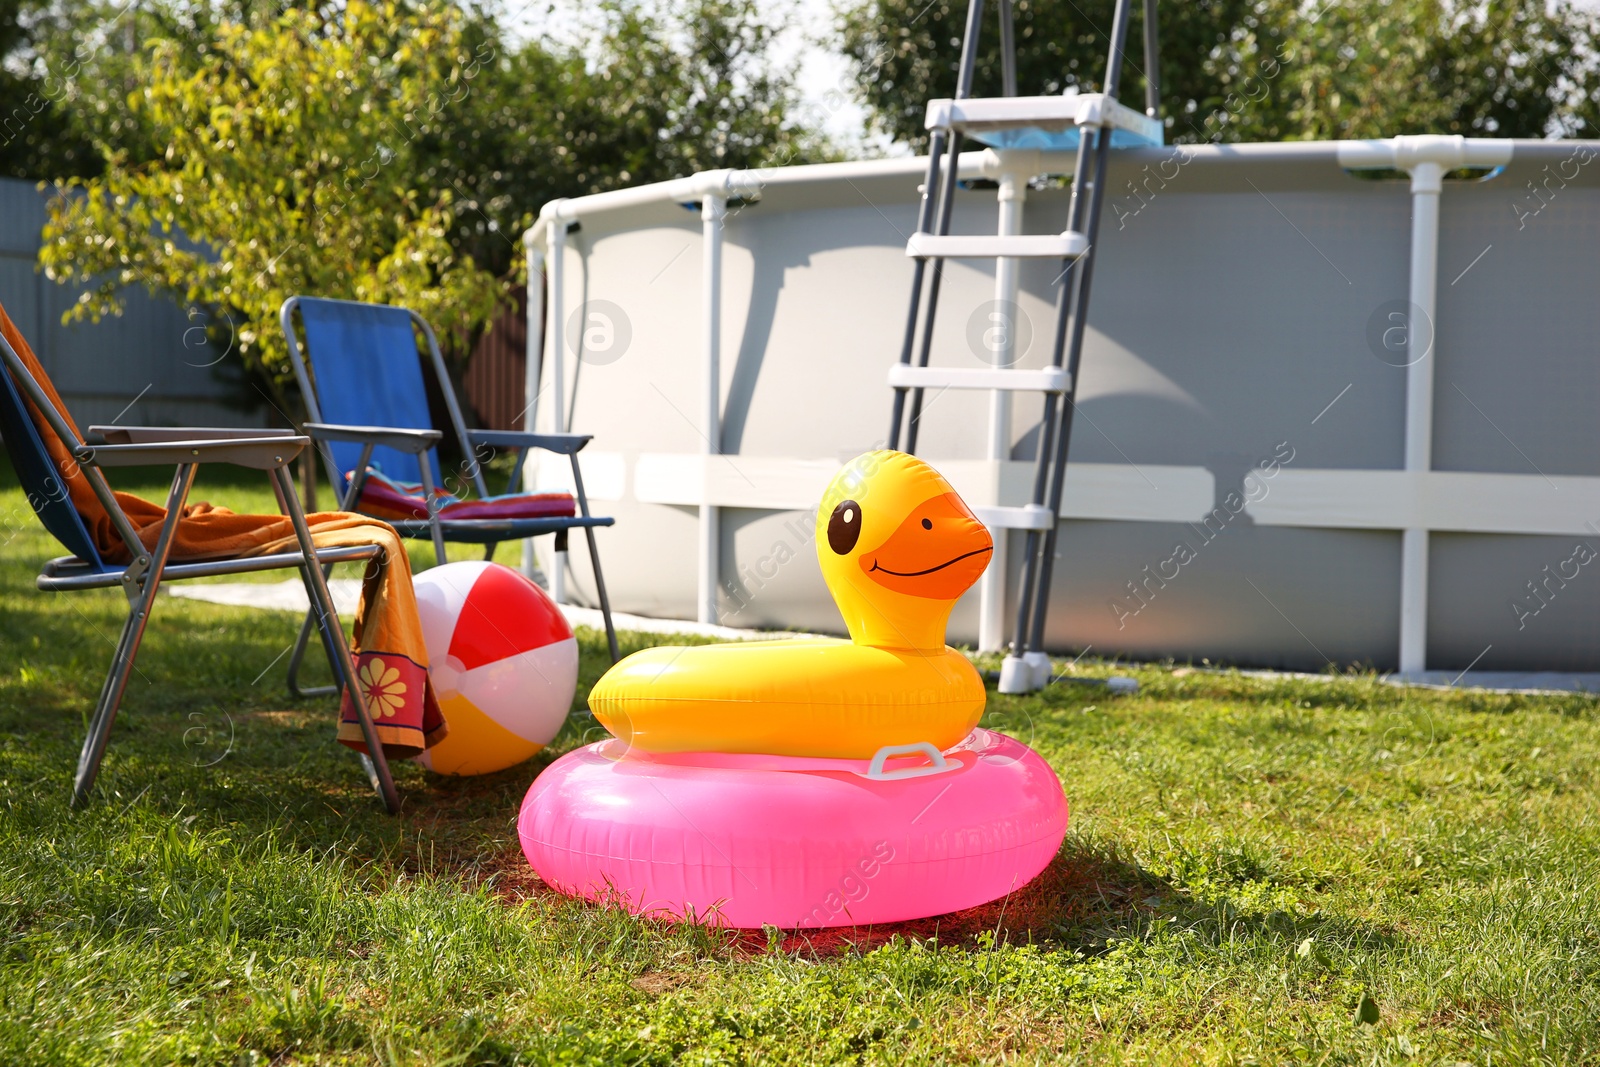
439	529
140	579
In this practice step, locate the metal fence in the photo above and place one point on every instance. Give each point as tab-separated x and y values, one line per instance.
152	365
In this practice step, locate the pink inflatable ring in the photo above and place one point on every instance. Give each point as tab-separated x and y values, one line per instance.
749	841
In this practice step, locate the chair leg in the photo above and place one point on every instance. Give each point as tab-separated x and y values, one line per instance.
373	761
298	654
594	555
141	599
333	635
325	622
105	711
438	542
605	601
558	566
433	514
317	616
373	778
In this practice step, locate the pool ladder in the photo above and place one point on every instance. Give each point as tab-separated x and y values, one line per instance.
1012	125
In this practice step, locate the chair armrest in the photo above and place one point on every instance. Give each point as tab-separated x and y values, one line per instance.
564	443
258	453
414	441
149	435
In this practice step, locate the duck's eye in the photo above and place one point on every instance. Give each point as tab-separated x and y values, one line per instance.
844	527
927	524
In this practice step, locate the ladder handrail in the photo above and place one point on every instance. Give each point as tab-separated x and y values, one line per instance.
1040	564
1152	62
1008	50
947	196
1094	144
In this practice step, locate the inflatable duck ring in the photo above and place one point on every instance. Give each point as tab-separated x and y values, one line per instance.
898	547
811	782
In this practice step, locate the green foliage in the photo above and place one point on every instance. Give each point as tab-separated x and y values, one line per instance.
655	96
71	66
382	150
1259	870
1262	70
718	100
1510	68
35	136
907	53
290	167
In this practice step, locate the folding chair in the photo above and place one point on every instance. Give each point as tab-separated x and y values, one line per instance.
367	407
185	448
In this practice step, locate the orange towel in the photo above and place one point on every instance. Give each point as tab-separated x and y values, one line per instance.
391	659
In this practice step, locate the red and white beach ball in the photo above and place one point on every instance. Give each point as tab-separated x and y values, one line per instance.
503	661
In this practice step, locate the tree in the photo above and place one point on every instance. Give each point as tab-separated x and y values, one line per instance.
1263	69
291	165
472	137
35	141
655	97
1511	68
907	53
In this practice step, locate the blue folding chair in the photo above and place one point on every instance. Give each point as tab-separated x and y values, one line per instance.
367	407
185	448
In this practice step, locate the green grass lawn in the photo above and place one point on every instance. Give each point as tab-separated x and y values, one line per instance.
1258	871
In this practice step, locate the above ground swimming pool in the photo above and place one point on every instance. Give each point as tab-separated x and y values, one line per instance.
1244	465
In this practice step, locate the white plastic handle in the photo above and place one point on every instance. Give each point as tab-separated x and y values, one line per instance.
937	764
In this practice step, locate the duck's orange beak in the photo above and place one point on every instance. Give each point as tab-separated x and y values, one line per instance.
938	551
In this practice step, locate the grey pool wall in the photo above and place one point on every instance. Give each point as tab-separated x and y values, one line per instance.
1238	485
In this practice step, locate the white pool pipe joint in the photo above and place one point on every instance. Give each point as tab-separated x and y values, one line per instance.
1406	153
1426	158
722	184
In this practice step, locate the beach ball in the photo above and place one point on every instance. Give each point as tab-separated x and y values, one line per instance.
503	662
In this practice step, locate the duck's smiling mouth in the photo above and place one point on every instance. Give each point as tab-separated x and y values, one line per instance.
876	566
937	551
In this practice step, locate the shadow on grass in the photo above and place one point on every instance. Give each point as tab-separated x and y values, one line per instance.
1087	899
207	727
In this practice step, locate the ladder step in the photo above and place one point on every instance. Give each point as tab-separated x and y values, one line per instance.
1043	380
981	115
1067	245
1026	517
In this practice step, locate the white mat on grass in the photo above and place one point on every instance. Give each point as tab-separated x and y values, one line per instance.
291	596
